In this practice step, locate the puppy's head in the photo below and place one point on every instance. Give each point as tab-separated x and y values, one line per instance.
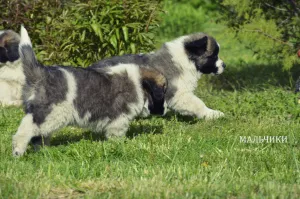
155	86
9	44
203	51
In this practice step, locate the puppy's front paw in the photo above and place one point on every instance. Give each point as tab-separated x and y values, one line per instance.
209	114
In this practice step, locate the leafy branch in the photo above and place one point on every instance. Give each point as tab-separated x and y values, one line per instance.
268	35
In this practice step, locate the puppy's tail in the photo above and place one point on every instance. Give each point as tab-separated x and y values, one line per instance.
32	69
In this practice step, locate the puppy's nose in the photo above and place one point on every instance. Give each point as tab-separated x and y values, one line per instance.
223	65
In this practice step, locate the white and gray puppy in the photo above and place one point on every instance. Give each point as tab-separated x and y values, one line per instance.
181	61
105	100
11	76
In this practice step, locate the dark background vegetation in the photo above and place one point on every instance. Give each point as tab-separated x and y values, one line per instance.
79	32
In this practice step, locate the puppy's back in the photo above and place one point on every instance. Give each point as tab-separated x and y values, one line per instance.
107	93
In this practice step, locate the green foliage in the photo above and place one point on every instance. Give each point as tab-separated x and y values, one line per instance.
208	5
181	18
271	28
79	32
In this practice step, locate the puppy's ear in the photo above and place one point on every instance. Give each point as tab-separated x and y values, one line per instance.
154	84
197	47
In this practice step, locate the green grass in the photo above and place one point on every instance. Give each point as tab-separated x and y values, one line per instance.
175	156
171	157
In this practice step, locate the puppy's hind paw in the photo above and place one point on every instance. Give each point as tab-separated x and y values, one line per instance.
210	114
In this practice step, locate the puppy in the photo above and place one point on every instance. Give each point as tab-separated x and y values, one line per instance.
11	75
182	61
105	99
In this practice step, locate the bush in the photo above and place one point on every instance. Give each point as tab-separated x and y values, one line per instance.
80	32
180	18
270	28
208	5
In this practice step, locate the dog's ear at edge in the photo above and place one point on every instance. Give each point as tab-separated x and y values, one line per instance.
155	95
153	82
197	46
154	85
9	45
152	88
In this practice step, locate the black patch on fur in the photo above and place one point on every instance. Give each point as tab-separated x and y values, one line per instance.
103	95
204	53
12	51
196	48
51	89
155	97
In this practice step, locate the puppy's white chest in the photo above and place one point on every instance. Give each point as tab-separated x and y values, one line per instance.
187	81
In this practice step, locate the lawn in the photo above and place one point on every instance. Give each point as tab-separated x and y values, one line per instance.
176	156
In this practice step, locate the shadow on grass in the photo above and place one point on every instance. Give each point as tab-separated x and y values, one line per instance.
67	138
255	77
172	115
134	130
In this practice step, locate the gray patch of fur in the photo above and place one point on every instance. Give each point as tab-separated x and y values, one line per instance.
102	95
49	88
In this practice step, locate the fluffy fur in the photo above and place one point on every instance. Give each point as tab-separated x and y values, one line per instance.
104	100
11	74
182	61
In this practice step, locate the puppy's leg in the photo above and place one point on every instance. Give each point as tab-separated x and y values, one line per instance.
189	104
117	128
28	129
25	132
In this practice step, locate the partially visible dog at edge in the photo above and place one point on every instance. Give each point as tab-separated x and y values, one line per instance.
182	61
104	100
11	74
